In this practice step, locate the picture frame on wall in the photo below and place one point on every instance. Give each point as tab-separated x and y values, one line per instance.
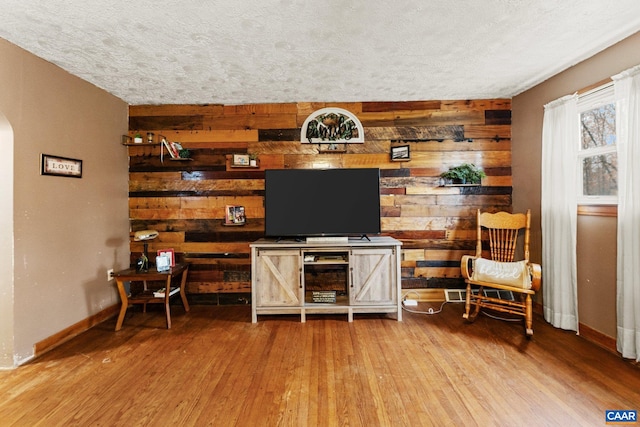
60	166
234	215
401	153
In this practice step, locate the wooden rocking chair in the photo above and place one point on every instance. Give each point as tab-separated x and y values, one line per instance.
500	272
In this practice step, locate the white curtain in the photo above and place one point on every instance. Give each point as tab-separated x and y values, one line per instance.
560	136
627	90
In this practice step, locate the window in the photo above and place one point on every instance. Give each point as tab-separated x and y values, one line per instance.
597	153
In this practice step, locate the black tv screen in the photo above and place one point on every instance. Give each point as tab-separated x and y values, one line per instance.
322	202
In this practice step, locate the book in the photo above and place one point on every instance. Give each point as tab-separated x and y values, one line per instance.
160	293
171	148
176	147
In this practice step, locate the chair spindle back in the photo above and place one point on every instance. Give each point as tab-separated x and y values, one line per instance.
503	229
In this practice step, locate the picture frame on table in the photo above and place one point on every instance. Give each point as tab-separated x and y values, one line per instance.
170	253
240	160
163	262
234	215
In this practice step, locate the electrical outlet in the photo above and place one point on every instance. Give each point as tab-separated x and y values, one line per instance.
110	274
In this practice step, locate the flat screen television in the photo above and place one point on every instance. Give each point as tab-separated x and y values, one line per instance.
322	202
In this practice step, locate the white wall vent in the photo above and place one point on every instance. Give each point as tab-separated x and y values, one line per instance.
460	295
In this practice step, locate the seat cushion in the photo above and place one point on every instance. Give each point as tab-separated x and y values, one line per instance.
514	274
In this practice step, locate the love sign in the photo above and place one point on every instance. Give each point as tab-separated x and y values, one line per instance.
60	166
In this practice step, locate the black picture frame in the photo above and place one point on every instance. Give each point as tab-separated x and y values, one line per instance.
401	153
60	166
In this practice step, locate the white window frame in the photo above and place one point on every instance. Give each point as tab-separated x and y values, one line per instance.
594	98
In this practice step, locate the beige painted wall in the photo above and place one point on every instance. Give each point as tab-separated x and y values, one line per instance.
66	232
597	273
527	113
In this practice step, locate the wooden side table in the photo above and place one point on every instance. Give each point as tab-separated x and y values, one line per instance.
147	296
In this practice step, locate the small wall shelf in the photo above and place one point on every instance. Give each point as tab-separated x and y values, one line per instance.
323	148
242	161
128	141
245	166
140	144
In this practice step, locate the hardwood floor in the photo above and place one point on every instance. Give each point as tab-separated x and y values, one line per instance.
214	367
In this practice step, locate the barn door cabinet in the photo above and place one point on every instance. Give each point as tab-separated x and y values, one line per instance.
372	276
277	274
358	276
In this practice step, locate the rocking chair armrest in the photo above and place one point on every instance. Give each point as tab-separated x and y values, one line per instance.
536	276
466	265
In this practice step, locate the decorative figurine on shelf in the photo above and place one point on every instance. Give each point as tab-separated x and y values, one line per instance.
143	262
144	236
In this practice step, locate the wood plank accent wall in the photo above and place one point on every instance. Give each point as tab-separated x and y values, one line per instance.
185	201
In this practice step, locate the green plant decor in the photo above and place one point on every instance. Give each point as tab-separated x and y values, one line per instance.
184	153
464	174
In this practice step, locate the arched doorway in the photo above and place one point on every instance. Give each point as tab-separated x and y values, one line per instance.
6	246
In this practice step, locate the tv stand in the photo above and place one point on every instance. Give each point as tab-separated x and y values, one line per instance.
295	239
356	276
327	240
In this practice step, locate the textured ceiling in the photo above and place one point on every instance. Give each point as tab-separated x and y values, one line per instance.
257	51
